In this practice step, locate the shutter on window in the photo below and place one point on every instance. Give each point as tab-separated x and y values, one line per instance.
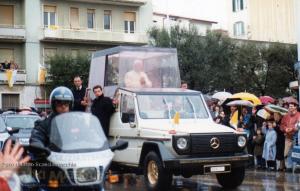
242	4
6	15
233	5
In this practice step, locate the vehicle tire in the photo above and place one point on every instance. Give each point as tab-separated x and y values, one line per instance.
157	178
232	179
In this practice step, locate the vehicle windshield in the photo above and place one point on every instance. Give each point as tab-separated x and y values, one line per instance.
166	106
21	122
77	131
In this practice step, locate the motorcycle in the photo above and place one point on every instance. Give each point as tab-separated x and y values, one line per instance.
77	157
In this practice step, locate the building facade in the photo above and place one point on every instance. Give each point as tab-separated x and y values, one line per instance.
267	20
163	20
33	30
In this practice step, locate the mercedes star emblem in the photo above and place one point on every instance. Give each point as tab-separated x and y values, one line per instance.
214	143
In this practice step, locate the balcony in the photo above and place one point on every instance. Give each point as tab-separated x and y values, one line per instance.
56	33
115	2
12	33
20	78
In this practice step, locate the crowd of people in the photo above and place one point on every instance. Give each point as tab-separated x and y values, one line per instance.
270	139
6	65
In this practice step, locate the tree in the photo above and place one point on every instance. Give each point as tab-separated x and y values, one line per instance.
280	59
216	62
63	68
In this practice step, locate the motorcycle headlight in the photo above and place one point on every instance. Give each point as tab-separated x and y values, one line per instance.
242	141
86	174
182	143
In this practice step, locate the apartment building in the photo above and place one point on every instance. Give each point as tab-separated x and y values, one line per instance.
267	20
163	20
33	30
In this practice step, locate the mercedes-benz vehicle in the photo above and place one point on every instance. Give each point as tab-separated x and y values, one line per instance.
169	130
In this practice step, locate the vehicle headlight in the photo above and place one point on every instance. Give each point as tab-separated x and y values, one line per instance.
182	143
86	174
242	141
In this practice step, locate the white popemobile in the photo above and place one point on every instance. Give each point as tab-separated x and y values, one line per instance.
169	130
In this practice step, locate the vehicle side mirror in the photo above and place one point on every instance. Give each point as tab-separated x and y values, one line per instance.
38	151
120	145
12	130
132	124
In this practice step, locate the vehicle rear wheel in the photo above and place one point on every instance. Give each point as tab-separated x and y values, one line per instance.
232	179
156	176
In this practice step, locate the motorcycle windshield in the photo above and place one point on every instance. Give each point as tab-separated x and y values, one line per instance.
77	132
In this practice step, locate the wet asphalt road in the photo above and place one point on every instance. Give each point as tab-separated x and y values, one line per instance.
254	181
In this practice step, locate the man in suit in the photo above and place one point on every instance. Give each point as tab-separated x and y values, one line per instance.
80	100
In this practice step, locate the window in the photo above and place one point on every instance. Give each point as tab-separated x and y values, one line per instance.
49	15
237	5
6	15
10	101
91	51
74	18
6	54
48	53
127	109
129	22
74	53
91	18
238	28
107	20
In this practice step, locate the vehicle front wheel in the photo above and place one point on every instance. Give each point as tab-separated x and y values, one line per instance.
157	178
232	179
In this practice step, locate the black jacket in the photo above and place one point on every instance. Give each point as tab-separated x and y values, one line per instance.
41	131
78	97
103	108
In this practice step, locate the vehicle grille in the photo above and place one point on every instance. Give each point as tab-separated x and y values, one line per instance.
71	175
201	144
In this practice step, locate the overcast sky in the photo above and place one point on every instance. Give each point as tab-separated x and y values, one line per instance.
213	10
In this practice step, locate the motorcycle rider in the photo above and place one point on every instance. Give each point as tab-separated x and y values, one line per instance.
61	100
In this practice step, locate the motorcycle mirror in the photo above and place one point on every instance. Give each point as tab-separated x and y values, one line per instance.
120	145
11	130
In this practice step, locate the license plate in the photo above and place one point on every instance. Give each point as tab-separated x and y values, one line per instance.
217	169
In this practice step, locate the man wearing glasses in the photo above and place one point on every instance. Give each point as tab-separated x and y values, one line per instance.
61	100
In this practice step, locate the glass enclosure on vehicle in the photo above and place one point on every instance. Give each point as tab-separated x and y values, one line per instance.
77	131
134	67
165	106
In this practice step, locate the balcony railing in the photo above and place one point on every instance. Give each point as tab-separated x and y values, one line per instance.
93	35
20	77
115	2
12	32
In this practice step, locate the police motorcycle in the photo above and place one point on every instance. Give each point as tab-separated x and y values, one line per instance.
77	158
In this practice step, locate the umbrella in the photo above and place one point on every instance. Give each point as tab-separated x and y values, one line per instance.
263	114
240	103
222	96
276	109
248	97
266	99
290	99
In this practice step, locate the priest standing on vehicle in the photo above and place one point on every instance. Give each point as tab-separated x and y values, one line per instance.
103	108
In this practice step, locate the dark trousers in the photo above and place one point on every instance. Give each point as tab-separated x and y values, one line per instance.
271	163
260	161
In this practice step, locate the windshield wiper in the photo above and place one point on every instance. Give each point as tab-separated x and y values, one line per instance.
169	110
194	111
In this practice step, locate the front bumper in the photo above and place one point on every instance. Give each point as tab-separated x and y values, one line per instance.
197	165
